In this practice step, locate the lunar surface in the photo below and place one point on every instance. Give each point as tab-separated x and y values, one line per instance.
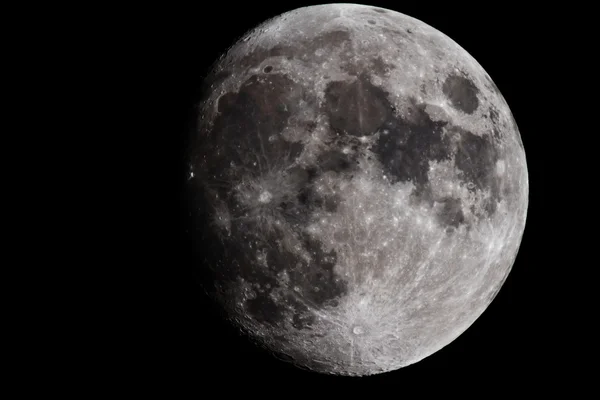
358	186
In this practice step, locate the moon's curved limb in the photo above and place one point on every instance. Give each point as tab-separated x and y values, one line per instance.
364	186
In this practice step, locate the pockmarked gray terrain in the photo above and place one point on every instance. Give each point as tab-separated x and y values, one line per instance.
359	188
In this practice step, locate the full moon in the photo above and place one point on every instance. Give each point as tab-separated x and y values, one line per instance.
358	187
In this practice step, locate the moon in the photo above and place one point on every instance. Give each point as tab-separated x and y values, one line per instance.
358	187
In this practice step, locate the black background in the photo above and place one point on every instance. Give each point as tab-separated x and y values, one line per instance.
180	342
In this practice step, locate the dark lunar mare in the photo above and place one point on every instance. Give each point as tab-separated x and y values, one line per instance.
244	143
461	92
476	157
357	107
407	144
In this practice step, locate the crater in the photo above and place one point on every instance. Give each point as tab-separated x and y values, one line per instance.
462	93
358	330
265	197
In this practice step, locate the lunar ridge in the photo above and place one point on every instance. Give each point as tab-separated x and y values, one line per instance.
358	185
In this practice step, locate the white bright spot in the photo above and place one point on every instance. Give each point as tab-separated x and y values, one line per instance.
500	167
260	256
357	330
311	229
265	197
